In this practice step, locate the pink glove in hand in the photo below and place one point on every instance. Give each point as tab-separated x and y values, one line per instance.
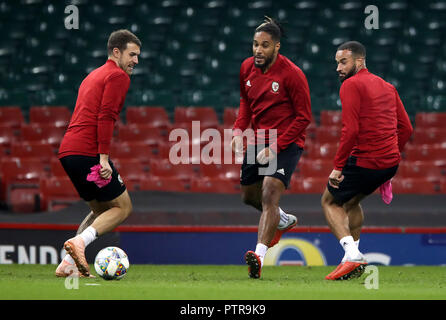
386	192
95	177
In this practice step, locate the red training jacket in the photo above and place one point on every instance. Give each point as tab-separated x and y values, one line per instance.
375	125
100	100
278	99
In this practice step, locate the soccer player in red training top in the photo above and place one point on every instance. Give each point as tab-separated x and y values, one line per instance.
274	95
375	128
87	143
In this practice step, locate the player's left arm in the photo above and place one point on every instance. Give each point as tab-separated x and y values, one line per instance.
404	127
297	87
115	90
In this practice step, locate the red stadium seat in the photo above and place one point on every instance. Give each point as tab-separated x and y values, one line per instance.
132	150
315	168
420	169
58	116
229	116
43	133
321	151
331	118
221	171
308	185
141	133
57	193
132	172
164	168
167	184
151	116
7	136
214	185
20	174
426	120
414	186
206	115
37	150
327	134
443	186
24	199
11	116
425	153
429	135
56	169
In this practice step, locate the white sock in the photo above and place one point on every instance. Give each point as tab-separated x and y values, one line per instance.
261	251
350	248
345	254
283	218
89	235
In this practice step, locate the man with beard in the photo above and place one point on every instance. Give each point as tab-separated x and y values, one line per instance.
375	128
84	151
275	101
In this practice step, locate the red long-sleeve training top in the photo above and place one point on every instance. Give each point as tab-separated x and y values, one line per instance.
278	99
100	100
375	125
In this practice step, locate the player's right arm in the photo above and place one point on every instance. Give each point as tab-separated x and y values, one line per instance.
351	102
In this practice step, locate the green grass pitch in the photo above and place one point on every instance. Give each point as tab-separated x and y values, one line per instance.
210	282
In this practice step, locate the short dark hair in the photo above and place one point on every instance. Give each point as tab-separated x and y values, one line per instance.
355	47
272	27
119	39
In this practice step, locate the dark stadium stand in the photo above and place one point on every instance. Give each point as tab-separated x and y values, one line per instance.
188	70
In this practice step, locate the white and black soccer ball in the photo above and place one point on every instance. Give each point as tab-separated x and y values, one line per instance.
111	263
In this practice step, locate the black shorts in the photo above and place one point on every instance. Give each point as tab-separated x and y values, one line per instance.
287	161
78	167
359	180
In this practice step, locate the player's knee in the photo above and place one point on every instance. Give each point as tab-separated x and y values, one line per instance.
270	195
248	198
327	199
127	209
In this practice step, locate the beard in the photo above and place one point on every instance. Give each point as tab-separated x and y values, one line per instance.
267	61
352	72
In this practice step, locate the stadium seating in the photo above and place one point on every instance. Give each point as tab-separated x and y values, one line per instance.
315	168
11	116
415	186
429	135
214	185
132	172
151	116
20	184
43	133
140	133
427	120
41	151
190	72
56	169
57	116
57	193
206	115
7	136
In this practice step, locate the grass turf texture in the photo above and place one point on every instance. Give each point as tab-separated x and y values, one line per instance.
191	282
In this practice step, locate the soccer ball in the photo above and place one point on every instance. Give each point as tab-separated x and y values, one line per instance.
111	263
